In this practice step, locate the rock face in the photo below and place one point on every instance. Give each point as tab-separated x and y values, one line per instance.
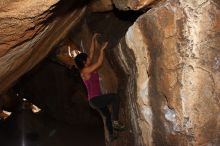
28	31
173	79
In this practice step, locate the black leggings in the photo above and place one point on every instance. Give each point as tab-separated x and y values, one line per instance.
100	103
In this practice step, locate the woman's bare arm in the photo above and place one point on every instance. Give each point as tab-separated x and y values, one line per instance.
93	67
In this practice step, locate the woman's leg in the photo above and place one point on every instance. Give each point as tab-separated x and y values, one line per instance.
106	99
106	113
106	116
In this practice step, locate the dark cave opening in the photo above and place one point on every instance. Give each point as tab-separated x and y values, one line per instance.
129	15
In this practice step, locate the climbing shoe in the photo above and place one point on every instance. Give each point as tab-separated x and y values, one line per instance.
118	126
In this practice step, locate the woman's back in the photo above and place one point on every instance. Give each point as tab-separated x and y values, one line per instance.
93	85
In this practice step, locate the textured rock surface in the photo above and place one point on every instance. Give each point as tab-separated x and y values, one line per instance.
132	4
173	89
28	31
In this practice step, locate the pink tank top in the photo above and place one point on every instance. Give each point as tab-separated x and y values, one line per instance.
93	86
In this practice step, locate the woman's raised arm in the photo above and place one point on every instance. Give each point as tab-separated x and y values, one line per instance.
93	67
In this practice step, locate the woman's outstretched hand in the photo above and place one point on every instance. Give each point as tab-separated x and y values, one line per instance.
95	35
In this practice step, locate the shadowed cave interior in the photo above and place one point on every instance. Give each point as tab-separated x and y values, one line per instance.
55	86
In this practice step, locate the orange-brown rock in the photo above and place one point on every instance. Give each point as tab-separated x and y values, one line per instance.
28	31
176	71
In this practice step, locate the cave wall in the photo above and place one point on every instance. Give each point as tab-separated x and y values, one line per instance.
29	30
176	50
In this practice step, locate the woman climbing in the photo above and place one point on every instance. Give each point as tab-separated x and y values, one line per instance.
97	100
